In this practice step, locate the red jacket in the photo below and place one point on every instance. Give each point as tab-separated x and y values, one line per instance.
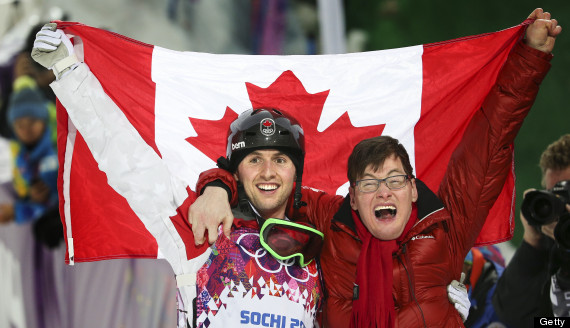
433	251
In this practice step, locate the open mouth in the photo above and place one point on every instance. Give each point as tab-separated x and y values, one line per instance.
385	212
268	187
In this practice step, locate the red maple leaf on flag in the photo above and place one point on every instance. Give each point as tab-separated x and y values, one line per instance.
212	135
326	152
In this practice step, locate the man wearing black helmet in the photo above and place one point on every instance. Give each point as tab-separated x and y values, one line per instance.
265	153
261	130
264	273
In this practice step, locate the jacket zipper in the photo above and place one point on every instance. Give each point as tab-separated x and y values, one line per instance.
410	283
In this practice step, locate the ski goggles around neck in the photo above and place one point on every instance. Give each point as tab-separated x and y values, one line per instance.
286	240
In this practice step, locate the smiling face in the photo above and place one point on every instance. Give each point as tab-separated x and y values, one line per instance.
267	177
385	212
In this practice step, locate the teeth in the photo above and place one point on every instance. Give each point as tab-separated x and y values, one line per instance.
380	211
267	187
388	207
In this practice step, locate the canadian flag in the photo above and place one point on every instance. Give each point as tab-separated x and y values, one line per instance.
181	104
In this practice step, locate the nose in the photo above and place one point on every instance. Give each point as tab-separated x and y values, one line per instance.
267	170
383	190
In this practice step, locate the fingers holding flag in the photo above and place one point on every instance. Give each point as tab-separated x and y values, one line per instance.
48	38
54	50
542	33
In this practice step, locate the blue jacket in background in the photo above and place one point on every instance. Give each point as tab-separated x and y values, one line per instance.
38	164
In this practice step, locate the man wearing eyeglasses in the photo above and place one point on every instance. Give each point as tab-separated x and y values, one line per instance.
393	246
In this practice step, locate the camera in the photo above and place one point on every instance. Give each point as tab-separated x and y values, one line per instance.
542	207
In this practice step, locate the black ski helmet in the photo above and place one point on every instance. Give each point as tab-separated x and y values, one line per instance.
265	128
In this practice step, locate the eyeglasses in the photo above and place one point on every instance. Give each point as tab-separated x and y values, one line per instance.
285	240
394	182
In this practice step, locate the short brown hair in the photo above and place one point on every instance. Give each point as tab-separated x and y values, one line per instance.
374	151
556	156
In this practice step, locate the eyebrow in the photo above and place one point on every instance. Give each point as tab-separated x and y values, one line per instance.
258	153
390	173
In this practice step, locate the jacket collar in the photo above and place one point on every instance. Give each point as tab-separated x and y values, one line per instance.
344	214
427	204
244	210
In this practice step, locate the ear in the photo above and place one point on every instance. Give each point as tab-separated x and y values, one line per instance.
236	176
414	190
351	193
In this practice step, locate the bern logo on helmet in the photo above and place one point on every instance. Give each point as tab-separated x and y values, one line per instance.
238	145
267	127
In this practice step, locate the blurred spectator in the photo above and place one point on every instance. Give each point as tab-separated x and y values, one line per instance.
523	290
17	72
35	178
30	117
483	266
35	162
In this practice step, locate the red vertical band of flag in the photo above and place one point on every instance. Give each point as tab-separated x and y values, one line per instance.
103	225
465	87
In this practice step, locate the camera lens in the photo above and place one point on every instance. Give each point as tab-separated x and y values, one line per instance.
542	207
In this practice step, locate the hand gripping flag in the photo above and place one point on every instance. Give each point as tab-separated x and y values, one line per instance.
181	104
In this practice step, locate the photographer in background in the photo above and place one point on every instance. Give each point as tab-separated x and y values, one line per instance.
524	290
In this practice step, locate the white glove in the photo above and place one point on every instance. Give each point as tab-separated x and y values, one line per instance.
53	50
457	294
